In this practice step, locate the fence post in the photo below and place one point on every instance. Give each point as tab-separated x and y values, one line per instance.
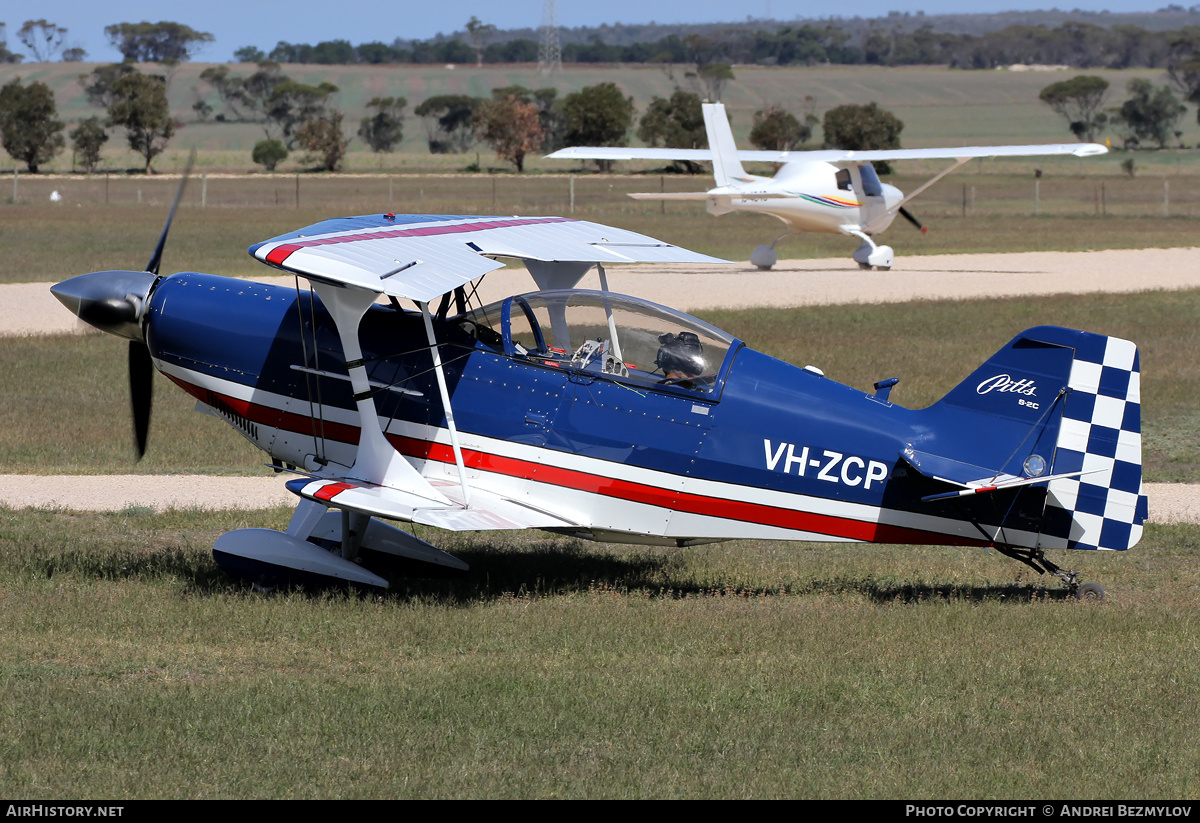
1166	198
964	203
203	191
297	191
1103	201
1036	197
15	173
571	178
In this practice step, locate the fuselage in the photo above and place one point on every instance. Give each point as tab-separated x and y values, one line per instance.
755	448
811	196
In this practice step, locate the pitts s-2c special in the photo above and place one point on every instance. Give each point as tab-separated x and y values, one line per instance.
600	415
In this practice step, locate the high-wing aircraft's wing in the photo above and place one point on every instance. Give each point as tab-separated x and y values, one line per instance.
420	257
829	155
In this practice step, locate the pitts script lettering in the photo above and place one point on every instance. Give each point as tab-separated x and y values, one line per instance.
830	466
1004	383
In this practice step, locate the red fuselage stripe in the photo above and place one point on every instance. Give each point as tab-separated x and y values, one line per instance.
679	501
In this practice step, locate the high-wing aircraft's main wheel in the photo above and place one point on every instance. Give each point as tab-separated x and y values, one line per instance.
865	266
1093	592
883	268
763	258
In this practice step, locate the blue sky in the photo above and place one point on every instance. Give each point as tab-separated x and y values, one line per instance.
263	23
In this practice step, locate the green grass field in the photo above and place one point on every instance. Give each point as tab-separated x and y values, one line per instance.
563	669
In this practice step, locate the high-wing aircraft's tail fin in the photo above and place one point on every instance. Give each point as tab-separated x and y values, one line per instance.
727	168
1055	404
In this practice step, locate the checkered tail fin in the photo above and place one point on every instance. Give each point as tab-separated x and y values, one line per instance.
1100	434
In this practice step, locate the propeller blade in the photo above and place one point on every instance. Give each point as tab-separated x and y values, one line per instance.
908	215
156	258
141	392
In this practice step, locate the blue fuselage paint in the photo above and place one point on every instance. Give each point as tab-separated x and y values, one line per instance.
763	423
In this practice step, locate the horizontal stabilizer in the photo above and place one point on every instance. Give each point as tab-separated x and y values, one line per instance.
672	195
486	512
952	471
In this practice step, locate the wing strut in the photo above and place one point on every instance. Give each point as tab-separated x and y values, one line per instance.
375	461
441	380
958	162
612	326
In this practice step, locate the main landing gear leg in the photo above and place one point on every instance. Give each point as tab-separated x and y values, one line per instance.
1036	559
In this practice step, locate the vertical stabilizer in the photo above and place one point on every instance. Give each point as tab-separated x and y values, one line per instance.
1104	508
726	166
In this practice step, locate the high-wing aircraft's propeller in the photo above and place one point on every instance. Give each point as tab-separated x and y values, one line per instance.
115	302
908	215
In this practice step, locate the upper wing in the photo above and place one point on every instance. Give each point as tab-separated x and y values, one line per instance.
420	257
830	155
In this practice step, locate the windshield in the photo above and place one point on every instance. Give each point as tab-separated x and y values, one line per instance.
609	334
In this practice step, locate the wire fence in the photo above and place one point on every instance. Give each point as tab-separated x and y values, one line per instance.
584	194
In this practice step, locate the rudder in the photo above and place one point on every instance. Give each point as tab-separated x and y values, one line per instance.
1100	435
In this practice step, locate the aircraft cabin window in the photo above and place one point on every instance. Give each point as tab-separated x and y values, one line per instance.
843	180
870	180
612	335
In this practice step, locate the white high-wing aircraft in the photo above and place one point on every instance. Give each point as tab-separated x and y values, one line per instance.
832	192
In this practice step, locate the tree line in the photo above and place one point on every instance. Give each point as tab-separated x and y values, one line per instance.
890	41
513	120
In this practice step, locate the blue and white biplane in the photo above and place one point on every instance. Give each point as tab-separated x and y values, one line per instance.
393	396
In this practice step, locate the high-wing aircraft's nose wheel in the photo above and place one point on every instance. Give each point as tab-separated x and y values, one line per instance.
869	255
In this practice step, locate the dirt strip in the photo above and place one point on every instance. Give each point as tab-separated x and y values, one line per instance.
1169	502
29	308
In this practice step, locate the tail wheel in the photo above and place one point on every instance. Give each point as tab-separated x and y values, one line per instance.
1092	592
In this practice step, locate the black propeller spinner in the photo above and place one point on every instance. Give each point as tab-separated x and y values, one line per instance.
115	302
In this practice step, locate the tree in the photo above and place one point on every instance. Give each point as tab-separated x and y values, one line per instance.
155	42
43	39
269	153
321	136
598	115
776	129
677	122
383	130
1079	101
32	132
97	86
1183	64
479	33
7	56
1149	114
291	105
139	105
86	140
511	127
713	77
249	54
862	127
449	122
